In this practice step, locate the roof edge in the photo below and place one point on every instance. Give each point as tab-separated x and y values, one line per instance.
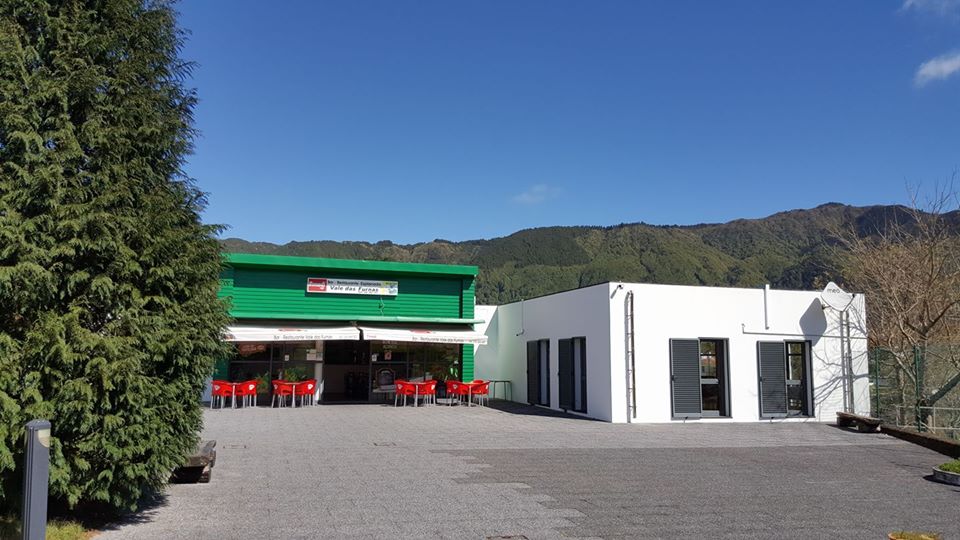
256	260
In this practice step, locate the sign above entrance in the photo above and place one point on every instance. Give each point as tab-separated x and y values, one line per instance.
352	286
307	333
424	335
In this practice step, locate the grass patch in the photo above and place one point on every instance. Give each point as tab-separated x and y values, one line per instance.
906	535
56	530
951	466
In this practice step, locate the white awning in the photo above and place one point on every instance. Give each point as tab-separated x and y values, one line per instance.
424	335
288	333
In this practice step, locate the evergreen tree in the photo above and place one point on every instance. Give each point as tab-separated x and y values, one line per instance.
109	320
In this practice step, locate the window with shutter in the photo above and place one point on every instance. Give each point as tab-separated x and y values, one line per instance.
685	377
771	360
565	373
533	372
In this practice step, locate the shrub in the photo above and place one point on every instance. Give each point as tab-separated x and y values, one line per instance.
109	321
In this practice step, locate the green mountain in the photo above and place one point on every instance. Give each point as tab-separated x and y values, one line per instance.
788	250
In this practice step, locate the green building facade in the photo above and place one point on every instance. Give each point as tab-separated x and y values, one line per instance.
406	301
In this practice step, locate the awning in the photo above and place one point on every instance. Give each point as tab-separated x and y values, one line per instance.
457	334
299	333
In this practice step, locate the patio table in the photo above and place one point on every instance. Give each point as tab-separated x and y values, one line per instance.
233	394
470	386
293	396
416	390
506	384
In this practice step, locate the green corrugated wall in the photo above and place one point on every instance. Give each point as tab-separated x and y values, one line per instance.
276	294
467	309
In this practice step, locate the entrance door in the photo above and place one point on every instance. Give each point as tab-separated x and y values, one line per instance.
538	372
798	367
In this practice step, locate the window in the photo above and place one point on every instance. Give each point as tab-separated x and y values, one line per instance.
572	374
538	372
698	375
712	385
784	378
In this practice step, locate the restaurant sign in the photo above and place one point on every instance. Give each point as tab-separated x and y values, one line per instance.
352	286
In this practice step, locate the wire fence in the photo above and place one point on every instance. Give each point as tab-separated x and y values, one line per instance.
942	420
918	387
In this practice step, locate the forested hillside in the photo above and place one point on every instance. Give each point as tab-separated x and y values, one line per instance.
788	250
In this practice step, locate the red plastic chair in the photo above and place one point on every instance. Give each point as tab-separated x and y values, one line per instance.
464	390
428	391
453	389
281	389
247	390
306	390
221	390
481	391
458	389
403	388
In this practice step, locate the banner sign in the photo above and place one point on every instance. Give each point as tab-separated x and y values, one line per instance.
352	286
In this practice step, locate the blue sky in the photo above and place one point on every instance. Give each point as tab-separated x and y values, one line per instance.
415	120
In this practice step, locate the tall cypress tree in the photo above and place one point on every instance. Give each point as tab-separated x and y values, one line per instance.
109	321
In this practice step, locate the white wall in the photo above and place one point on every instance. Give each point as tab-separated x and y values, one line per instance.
486	360
663	312
578	313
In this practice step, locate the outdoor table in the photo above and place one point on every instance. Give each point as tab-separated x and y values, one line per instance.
416	390
293	396
470	386
506	384
233	394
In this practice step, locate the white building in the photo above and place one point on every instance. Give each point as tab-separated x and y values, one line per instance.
698	353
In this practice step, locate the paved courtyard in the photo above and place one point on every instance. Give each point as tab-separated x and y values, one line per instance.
370	471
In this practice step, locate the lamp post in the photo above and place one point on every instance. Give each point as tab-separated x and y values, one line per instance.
36	477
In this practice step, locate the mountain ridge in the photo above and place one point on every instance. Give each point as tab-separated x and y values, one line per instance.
788	249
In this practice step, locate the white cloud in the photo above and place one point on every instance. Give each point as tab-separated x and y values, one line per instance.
536	194
937	68
936	7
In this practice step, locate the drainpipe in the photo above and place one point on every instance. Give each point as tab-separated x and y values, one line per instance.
522	329
766	316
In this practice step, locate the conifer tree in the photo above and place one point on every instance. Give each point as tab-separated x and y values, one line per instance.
109	320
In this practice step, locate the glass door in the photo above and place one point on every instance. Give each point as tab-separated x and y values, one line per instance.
711	378
796	367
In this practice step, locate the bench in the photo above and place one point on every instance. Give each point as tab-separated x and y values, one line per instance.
199	465
864	424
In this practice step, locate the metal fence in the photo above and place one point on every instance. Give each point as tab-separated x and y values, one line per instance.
917	387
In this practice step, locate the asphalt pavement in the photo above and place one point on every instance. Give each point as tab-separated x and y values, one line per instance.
372	471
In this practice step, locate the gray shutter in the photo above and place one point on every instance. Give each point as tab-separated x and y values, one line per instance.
533	372
772	365
685	377
583	375
565	373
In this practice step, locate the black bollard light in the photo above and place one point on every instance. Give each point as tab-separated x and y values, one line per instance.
36	477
